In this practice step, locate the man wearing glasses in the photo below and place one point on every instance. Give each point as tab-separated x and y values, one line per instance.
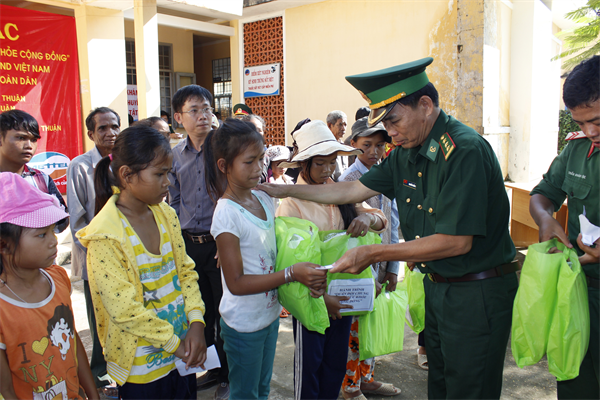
195	209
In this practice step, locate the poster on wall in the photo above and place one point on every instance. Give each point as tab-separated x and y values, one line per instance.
39	74
262	80
132	101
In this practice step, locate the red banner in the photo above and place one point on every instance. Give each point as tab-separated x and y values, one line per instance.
39	74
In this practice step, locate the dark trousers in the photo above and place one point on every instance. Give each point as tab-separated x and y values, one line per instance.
587	384
209	281
320	360
172	386
97	363
467	325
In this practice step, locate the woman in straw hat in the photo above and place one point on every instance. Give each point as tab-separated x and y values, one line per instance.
320	360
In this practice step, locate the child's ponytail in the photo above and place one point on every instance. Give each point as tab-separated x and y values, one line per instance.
215	180
136	147
103	182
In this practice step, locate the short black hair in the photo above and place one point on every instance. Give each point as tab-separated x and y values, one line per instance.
582	86
90	122
163	112
362	112
188	92
18	120
413	99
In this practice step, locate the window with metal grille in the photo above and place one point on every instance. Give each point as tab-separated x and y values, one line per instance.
165	68
165	71
222	86
130	56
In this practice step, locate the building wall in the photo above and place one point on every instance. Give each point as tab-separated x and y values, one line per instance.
324	42
203	57
182	41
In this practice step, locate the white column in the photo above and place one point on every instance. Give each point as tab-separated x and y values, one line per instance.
534	92
146	58
102	63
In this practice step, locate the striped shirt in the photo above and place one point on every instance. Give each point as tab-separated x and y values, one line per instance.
162	294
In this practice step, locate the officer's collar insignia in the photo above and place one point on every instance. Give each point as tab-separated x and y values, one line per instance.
447	145
575	135
432	151
409	184
591	151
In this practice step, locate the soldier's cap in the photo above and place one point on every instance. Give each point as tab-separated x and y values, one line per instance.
384	87
360	129
241	109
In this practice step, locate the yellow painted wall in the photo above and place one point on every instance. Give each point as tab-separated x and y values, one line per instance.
182	41
203	57
236	73
326	41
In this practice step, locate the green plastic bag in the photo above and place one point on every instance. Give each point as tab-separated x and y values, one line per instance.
415	316
361	287
569	334
382	330
535	302
550	313
298	241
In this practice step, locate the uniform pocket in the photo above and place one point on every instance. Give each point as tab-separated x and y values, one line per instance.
575	188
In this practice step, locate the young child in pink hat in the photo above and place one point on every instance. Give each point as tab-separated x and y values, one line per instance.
41	355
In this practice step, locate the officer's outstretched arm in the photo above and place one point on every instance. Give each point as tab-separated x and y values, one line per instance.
542	210
335	193
434	247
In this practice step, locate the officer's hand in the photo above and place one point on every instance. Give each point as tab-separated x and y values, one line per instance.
334	305
392	280
550	229
592	254
359	225
411	265
354	260
273	189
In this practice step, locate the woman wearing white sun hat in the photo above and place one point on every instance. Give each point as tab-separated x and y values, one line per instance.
320	360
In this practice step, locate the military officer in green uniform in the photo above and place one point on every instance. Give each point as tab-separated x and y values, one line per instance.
575	174
454	215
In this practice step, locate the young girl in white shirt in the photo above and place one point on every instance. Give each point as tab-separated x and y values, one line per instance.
244	229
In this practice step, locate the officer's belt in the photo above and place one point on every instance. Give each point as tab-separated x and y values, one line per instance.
593	282
495	272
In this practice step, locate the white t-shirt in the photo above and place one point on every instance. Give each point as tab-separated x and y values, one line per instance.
258	246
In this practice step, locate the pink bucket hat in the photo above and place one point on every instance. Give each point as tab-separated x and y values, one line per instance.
24	205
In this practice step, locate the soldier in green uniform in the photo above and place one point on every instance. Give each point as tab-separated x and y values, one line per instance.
454	215
575	174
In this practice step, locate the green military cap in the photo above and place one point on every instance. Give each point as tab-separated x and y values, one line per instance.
384	87
241	109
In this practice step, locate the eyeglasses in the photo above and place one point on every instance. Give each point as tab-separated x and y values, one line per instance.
195	112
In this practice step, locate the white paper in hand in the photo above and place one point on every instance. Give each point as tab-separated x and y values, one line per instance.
360	291
212	362
324	267
589	232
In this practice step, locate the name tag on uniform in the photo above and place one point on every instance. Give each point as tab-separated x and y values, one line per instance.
409	184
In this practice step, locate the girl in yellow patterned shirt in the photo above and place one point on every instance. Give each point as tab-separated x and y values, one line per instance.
144	288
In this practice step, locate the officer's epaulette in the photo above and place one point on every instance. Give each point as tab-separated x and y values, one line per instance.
447	145
575	135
